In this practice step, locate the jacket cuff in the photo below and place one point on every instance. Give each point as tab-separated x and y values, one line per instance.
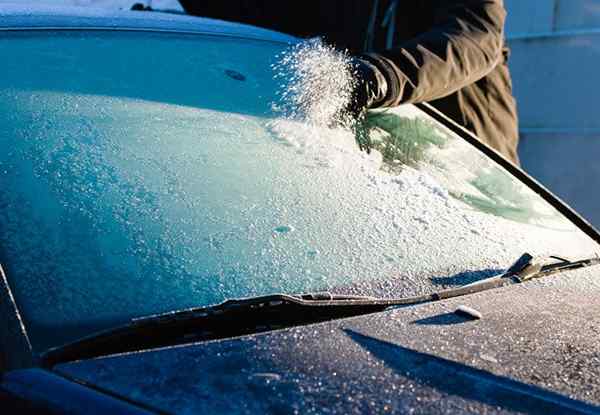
395	86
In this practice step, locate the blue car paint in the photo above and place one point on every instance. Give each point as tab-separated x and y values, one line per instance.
42	391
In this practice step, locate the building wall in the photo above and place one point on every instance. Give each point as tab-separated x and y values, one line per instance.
534	16
555	62
555	65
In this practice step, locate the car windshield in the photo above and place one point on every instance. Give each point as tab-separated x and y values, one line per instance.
146	172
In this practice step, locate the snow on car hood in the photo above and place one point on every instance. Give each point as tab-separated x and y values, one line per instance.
534	351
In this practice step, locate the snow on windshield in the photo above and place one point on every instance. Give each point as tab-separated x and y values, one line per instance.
139	180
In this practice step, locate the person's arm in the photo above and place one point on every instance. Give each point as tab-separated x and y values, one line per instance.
463	46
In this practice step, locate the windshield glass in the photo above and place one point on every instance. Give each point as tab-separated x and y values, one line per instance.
142	173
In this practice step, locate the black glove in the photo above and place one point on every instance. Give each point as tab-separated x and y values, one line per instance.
370	87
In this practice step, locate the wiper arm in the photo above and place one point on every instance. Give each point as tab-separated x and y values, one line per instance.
524	269
258	314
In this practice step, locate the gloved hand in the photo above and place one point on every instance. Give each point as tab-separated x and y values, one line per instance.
370	87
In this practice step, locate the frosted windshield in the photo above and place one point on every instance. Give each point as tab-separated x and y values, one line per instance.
142	173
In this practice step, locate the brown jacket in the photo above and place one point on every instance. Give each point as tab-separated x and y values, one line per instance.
450	53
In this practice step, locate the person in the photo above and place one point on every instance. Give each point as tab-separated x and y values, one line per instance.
449	53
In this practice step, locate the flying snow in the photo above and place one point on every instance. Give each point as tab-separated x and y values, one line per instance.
315	84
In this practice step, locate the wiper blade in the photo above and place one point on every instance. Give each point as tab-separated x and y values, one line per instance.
234	318
231	318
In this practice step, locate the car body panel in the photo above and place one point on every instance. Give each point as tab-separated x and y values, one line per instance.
42	392
17	17
535	347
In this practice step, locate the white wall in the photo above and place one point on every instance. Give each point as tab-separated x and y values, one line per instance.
535	16
555	65
557	82
577	14
529	16
555	62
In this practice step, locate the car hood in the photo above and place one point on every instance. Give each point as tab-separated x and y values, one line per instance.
534	350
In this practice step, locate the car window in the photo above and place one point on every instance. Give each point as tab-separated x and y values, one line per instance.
147	172
407	138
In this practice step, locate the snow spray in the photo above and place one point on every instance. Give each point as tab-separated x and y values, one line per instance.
315	84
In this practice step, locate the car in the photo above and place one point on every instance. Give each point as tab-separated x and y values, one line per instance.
170	242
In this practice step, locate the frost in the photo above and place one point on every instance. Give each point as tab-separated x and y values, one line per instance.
124	199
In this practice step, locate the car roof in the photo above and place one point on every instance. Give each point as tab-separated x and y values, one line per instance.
18	17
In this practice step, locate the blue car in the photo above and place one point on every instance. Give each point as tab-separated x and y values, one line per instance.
170	242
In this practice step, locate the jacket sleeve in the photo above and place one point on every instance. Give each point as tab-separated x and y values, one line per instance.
464	44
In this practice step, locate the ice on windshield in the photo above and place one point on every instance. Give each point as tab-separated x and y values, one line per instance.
138	180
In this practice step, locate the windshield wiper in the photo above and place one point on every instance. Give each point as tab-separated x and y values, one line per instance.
258	314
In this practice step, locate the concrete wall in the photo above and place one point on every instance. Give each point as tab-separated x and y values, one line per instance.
568	166
529	16
555	65
535	16
557	81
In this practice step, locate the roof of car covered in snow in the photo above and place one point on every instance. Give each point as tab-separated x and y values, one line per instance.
72	17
